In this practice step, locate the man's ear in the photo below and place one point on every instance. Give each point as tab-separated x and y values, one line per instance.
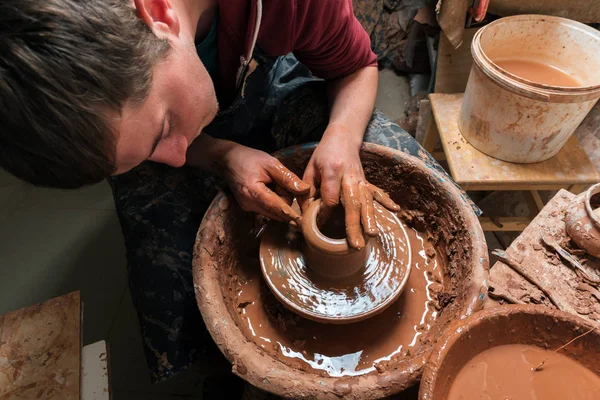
159	16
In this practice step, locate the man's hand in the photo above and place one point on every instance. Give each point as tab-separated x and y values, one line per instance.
336	169
249	172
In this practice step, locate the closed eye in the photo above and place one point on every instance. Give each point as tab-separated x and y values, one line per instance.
165	131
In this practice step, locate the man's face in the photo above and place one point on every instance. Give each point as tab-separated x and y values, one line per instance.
180	104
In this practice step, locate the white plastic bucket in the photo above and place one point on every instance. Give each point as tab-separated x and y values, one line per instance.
514	119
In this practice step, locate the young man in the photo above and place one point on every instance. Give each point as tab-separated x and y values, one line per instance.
168	97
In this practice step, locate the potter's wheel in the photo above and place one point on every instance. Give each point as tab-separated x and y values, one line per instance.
321	279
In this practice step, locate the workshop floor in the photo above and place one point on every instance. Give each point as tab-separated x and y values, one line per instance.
53	242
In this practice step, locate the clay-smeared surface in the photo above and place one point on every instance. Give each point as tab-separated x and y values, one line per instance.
373	287
538	72
526	373
350	349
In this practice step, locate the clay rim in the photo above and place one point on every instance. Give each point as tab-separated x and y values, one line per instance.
271	374
464	326
525	87
588	205
322	318
323	243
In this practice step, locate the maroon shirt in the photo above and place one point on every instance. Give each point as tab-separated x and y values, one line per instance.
323	34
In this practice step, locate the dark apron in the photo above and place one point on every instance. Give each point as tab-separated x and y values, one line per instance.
160	208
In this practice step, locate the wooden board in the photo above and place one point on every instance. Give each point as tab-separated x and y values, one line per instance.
580	10
474	170
454	65
547	268
40	351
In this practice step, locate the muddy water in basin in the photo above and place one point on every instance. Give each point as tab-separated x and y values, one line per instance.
526	373
349	349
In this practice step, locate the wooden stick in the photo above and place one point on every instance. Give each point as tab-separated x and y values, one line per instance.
540	365
573	263
502	256
574	339
504	296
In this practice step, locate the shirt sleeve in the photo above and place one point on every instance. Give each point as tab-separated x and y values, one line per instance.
323	34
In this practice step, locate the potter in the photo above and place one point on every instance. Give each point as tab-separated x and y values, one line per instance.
171	101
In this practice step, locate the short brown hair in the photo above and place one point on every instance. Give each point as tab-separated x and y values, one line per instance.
64	65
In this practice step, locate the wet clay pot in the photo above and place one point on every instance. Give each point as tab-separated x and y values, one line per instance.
583	223
515	324
329	282
430	203
331	258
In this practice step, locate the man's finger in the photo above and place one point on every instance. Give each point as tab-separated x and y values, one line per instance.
312	178
351	201
367	211
274	206
287	179
284	194
330	196
383	198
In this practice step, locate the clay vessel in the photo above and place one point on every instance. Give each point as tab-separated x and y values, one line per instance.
331	258
583	224
334	283
515	324
438	208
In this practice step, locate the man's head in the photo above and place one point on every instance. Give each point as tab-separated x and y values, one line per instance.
93	88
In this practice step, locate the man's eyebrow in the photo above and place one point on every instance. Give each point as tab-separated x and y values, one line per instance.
158	137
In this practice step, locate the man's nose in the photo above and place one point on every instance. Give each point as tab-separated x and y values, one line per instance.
171	151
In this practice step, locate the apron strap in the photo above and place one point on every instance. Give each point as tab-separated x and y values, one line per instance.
251	38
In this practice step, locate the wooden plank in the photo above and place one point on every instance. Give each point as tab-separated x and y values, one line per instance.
40	351
473	170
504	224
550	270
454	65
431	136
537	199
531	203
424	117
439	155
576	189
495	186
95	384
580	10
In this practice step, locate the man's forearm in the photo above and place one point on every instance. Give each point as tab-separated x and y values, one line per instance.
207	153
352	100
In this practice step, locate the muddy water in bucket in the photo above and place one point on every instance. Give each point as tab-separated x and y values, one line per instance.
538	72
533	80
